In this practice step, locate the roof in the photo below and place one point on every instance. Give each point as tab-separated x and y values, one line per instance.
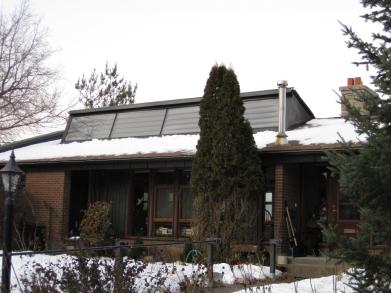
32	140
316	134
179	102
174	117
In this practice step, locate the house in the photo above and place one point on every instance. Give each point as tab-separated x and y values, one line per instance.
139	157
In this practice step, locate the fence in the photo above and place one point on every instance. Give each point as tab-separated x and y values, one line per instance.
120	249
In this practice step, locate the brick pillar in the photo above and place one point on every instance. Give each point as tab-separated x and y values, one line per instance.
279	200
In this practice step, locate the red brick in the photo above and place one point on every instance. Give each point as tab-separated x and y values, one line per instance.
48	197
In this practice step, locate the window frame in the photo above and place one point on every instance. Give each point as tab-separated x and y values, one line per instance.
265	203
168	221
348	204
176	221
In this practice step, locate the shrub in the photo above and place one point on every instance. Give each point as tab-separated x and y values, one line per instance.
95	227
87	275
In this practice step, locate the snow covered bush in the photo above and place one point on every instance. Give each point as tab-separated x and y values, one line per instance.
82	274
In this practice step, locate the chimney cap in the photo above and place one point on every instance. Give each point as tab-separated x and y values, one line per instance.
282	83
354	81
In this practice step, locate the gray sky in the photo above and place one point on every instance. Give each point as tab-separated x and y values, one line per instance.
168	47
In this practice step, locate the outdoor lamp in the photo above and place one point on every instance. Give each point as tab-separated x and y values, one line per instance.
11	175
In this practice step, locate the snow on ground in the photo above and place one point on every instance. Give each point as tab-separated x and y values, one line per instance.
223	273
319	285
316	131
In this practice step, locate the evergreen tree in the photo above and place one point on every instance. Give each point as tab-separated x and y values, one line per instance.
106	89
227	177
366	176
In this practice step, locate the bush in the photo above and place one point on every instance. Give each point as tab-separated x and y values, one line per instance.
82	274
95	227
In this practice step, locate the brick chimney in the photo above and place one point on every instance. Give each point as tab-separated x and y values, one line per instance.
351	94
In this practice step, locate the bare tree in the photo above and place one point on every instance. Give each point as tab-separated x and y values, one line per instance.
27	96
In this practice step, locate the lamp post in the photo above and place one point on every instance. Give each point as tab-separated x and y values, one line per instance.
10	178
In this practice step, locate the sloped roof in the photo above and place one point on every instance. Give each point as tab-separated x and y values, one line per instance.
316	134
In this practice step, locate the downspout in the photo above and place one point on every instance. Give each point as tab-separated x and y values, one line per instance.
281	136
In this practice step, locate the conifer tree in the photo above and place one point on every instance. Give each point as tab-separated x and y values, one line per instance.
366	176
227	177
105	89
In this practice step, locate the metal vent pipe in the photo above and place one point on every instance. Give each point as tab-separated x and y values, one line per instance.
281	136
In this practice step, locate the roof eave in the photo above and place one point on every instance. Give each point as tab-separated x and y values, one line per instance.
272	149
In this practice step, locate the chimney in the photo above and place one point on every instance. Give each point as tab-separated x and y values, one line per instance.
351	94
281	136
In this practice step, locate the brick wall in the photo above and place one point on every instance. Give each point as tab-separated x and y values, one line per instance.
287	191
48	191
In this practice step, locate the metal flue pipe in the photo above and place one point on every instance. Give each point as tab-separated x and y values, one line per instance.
281	136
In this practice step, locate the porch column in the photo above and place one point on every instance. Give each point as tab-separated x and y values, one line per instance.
279	200
151	202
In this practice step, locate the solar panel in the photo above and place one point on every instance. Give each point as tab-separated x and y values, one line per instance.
138	123
90	127
181	120
262	114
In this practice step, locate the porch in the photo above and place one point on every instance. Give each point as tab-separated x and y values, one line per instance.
152	201
305	199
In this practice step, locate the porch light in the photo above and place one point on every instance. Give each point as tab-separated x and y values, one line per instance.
10	175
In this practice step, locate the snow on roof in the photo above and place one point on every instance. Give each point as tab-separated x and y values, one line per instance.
316	131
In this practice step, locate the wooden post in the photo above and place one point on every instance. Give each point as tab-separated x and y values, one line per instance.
151	202
274	243
118	268
210	265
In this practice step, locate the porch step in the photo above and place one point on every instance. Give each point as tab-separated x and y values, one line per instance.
310	267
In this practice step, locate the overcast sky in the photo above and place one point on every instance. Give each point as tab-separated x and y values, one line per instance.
168	47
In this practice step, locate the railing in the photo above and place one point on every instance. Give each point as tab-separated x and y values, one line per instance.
120	248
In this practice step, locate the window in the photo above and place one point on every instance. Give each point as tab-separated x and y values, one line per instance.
347	209
164	211
268	214
186	203
186	207
165	203
172	204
